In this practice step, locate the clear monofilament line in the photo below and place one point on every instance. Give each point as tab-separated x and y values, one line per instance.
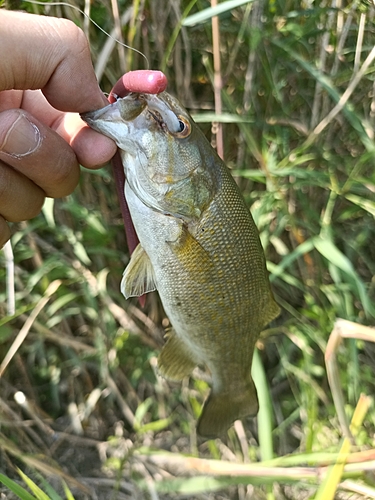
67	4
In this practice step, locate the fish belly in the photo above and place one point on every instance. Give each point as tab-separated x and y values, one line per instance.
215	295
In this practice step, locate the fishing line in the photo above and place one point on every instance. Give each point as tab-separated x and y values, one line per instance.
67	4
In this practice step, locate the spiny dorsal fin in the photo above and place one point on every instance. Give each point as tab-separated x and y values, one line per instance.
139	275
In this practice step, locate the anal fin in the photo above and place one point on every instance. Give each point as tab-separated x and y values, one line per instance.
175	360
138	277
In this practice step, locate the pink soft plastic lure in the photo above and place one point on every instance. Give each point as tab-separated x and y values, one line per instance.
148	82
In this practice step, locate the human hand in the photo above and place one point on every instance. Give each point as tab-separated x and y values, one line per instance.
42	138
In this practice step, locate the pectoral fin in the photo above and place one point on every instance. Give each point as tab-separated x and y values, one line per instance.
138	277
191	254
175	360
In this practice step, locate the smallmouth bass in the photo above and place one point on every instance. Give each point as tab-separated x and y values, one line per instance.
199	248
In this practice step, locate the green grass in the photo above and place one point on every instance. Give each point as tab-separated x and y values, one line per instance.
95	413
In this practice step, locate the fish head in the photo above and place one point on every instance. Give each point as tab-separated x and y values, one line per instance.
167	160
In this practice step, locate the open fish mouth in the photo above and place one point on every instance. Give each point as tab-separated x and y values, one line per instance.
110	112
128	108
159	108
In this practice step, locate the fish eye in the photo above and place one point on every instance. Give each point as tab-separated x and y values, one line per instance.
182	125
185	127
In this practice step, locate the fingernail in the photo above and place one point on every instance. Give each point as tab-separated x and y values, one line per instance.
22	138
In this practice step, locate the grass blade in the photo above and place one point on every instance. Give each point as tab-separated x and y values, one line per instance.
206	14
40	495
16	488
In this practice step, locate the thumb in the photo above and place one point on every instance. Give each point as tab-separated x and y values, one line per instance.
18	135
37	152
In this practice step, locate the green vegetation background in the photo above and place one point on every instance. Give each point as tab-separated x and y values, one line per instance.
298	114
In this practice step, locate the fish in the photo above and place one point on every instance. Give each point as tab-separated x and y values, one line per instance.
198	247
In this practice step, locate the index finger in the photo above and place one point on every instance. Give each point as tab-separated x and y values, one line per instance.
51	54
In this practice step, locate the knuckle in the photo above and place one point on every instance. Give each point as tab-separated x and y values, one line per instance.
20	199
35	207
65	176
30	208
72	35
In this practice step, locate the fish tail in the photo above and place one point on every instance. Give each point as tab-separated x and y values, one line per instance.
222	409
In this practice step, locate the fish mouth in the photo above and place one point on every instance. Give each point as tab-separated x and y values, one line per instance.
108	113
126	109
157	117
110	120
160	111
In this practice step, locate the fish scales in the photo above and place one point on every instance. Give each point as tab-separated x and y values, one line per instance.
199	247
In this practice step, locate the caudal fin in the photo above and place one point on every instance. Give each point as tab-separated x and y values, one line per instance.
222	409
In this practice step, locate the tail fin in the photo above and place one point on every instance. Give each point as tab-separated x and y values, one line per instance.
222	409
